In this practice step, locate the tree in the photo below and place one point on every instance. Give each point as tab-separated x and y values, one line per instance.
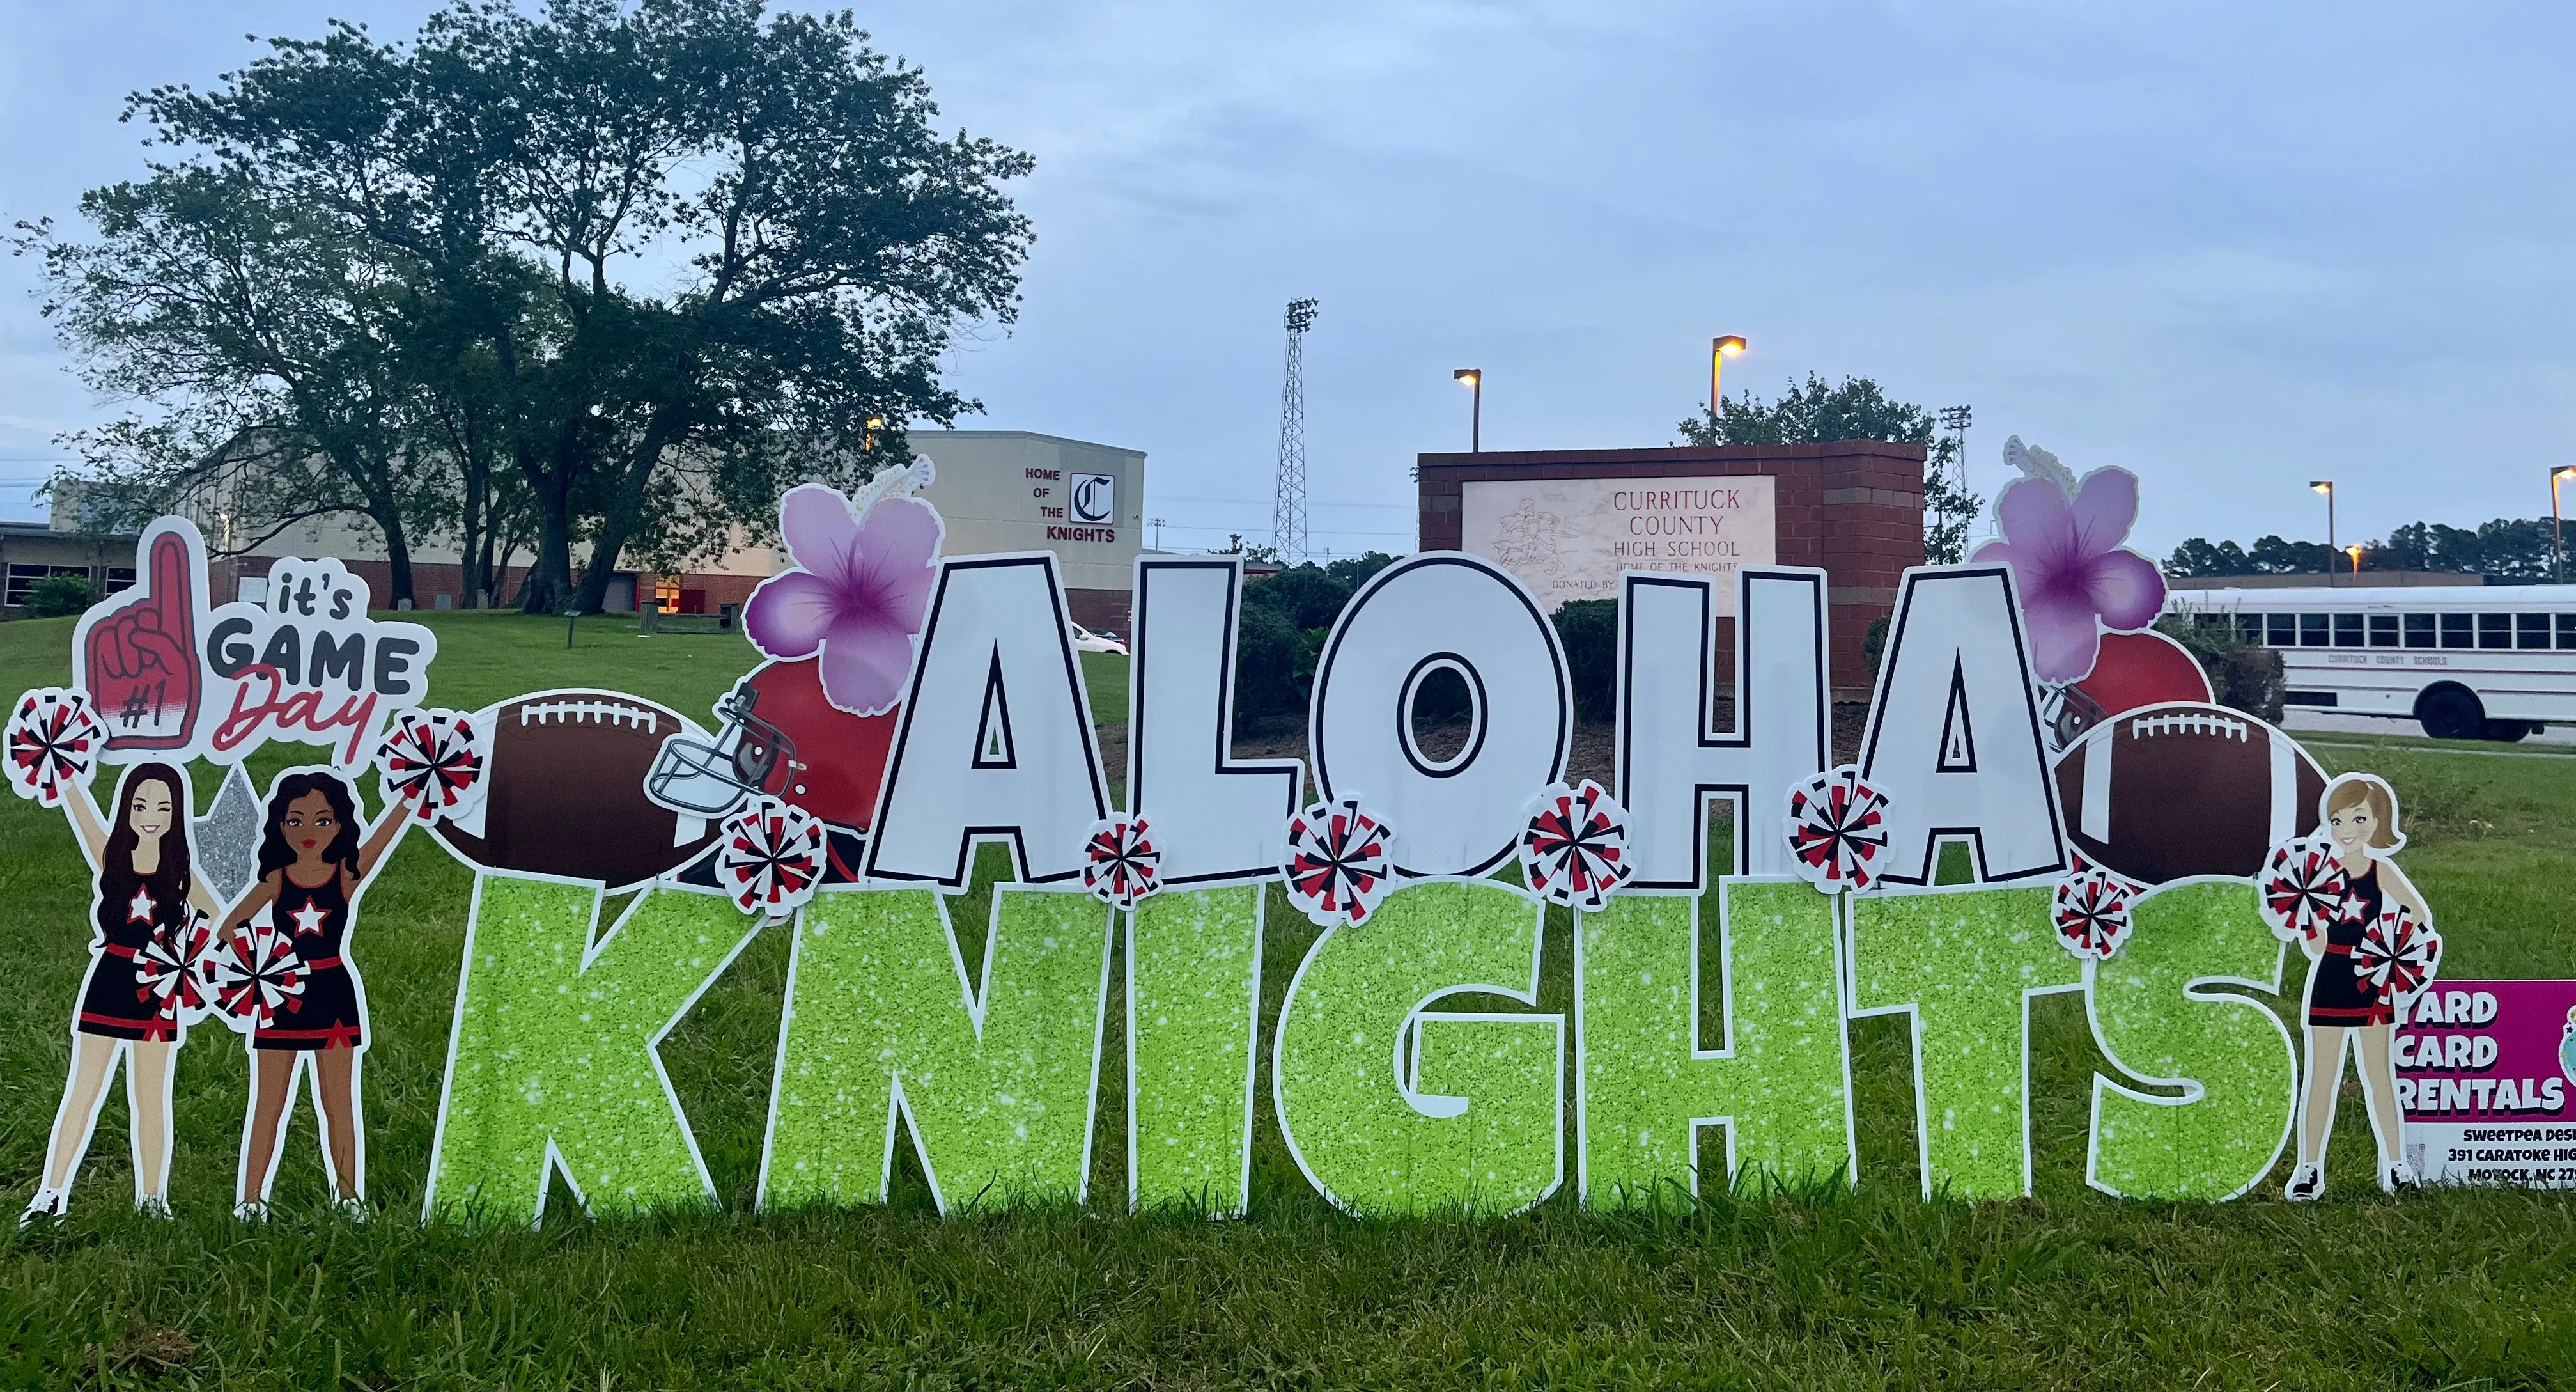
2198	559
2272	555
1858	409
2516	550
660	258
267	344
1355	571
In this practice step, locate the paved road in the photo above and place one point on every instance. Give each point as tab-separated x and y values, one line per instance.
2297	719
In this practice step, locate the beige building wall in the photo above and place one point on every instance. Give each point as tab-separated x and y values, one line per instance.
1016	490
997	490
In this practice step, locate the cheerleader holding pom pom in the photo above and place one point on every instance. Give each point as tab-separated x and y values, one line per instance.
315	859
145	895
2371	958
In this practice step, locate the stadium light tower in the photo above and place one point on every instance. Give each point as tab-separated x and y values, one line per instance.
1288	504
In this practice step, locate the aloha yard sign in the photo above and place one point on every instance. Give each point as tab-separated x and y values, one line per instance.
2128	839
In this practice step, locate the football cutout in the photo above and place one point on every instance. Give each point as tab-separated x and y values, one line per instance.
564	792
2185	788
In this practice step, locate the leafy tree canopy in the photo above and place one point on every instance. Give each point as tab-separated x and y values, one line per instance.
1818	412
2504	551
633	266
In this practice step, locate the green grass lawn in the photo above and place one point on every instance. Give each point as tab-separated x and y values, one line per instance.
1871	1286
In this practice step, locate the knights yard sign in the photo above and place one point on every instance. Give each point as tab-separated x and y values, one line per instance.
2127	839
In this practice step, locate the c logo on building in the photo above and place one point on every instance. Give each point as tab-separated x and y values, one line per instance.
1095	498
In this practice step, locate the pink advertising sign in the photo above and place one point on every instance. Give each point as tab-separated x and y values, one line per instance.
2486	1074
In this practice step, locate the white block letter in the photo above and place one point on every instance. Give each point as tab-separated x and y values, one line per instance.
1436	611
996	738
1670	763
1954	736
1215	820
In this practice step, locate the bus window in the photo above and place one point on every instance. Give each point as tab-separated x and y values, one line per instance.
2419	630
2567	630
2459	630
2347	630
2249	629
2281	630
2531	630
2312	631
2383	630
2495	630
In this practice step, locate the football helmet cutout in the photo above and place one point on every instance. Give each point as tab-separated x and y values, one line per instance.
778	735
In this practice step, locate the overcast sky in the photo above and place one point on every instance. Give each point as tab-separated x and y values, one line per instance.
2233	248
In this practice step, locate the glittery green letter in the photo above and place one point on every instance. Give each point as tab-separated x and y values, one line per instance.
2230	1057
553	1049
880	1018
1193	988
1964	963
1782	1084
1390	1108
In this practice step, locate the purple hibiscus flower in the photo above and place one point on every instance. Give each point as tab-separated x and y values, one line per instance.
2071	569
857	596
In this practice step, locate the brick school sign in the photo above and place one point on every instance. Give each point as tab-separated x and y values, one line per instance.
1565	523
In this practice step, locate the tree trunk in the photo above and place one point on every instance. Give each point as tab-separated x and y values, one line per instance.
617	521
469	556
548	587
398	561
604	550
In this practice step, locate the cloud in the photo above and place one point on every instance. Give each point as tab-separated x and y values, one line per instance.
2233	248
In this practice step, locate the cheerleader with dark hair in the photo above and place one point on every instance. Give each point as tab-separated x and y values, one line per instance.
144	889
314	859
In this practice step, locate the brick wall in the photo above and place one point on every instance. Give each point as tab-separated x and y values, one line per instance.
430	580
1101	611
1854	508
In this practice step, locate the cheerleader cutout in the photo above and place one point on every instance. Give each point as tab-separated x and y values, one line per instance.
148	913
286	978
2374	954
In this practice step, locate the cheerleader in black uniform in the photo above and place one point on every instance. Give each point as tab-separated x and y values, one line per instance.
143	885
313	861
2361	824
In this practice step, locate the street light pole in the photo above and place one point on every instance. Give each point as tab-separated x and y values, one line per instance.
2326	486
1719	350
1474	377
2557	528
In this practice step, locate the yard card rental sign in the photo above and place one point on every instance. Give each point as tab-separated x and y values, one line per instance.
2126	838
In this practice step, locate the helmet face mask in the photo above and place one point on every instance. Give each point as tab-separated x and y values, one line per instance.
710	780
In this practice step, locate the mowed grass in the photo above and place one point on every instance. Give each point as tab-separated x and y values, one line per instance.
1871	1286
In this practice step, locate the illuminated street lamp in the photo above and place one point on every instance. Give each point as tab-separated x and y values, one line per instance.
2354	551
2326	486
1474	377
2557	528
1719	350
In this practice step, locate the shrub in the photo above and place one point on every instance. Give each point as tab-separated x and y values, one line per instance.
2242	676
1589	629
1309	596
57	595
1266	657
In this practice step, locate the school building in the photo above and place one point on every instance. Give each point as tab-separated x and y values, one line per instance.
997	490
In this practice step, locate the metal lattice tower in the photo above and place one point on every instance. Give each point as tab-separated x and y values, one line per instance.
1955	421
1288	507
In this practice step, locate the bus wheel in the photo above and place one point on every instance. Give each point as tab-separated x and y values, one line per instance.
2508	731
2451	713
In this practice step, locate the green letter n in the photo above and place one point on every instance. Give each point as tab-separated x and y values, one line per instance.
997	1087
